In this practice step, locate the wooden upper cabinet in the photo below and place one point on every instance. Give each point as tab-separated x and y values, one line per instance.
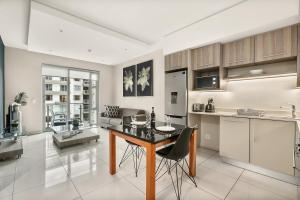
277	44
239	52
206	57
176	60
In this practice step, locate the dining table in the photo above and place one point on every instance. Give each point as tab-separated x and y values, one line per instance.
150	139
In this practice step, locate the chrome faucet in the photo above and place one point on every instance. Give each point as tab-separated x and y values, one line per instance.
293	109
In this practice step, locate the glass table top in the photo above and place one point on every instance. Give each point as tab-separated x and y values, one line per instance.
147	134
67	128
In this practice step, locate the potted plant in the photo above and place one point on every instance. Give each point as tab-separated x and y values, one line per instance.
21	98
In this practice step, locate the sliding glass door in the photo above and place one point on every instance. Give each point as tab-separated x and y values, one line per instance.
69	94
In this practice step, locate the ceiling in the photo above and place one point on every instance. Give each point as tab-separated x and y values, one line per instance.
114	31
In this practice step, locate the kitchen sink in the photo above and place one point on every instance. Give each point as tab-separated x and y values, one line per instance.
249	112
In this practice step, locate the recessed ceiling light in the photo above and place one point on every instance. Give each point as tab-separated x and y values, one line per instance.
60	30
89	50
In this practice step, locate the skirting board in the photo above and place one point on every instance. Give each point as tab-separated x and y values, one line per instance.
282	177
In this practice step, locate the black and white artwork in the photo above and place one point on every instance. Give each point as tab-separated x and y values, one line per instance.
129	81
145	78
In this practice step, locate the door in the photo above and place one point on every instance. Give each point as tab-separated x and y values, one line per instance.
272	145
277	44
234	138
176	93
206	57
175	61
240	52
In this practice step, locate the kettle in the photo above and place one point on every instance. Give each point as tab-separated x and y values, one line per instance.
210	107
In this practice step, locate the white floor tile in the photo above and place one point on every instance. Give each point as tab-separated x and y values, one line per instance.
117	190
7	168
46	172
65	191
214	182
203	155
189	192
246	191
94	180
217	164
6	186
7	198
272	185
140	181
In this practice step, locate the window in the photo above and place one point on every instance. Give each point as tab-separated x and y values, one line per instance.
70	92
63	98
77	116
85	107
86	97
76	97
49	97
49	78
48	87
86	82
77	87
63	78
63	88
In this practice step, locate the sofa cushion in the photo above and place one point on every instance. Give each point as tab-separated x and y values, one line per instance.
112	111
129	111
104	120
115	121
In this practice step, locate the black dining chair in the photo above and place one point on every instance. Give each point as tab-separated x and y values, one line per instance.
134	150
176	153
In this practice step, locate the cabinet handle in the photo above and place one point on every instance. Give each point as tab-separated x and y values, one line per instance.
294	165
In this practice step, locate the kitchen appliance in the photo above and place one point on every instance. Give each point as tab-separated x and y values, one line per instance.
198	107
176	96
210	107
204	81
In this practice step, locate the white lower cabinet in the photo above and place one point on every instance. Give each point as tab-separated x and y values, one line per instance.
234	138
271	144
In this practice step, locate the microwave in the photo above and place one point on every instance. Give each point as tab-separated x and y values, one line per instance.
207	82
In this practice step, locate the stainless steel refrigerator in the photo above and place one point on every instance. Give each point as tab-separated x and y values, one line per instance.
176	96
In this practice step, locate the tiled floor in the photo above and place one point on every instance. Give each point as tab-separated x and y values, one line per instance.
81	172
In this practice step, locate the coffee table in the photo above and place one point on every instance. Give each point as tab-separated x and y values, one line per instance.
85	136
11	148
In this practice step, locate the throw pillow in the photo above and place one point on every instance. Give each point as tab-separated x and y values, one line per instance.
112	111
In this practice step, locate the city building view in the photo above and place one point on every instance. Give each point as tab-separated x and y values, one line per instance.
69	97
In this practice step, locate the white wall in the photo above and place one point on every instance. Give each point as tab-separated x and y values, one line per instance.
23	73
157	100
266	94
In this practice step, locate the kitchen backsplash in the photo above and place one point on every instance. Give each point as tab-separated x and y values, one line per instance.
263	94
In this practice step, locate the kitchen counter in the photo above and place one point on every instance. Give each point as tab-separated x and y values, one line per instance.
266	116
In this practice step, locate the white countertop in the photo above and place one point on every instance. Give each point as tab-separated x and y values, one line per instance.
266	116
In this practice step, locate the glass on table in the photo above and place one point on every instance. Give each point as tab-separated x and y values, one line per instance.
168	120
133	121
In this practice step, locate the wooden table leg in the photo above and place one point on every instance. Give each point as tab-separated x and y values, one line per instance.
112	153
150	172
192	158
